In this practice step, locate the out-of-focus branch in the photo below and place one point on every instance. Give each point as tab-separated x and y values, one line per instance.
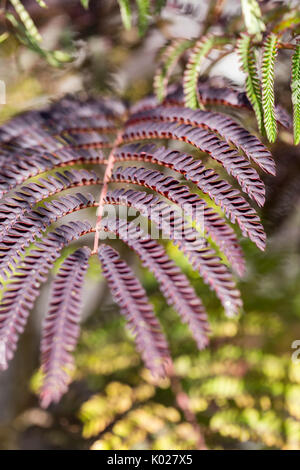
183	402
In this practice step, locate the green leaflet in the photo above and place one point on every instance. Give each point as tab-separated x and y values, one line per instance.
143	7
268	101
54	58
26	20
143	15
200	51
125	11
85	3
253	90
252	16
41	3
295	86
169	60
3	37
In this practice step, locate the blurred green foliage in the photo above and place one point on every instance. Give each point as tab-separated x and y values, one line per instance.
244	389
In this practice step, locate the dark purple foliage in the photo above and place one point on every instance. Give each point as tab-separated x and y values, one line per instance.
130	295
61	326
57	146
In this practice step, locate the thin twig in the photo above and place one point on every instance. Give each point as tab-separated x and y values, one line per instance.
183	401
107	175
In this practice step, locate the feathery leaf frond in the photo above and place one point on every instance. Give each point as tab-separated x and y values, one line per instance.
19	297
220	232
28	196
194	247
46	145
220	191
268	98
26	19
168	62
253	90
143	7
207	142
295	85
129	294
223	125
126	14
172	282
252	16
61	326
33	224
201	49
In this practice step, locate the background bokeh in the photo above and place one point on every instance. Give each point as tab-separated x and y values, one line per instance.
244	389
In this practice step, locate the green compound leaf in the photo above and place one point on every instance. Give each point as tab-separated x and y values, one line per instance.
125	11
143	15
54	58
295	86
26	20
253	90
201	50
252	16
268	100
169	60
